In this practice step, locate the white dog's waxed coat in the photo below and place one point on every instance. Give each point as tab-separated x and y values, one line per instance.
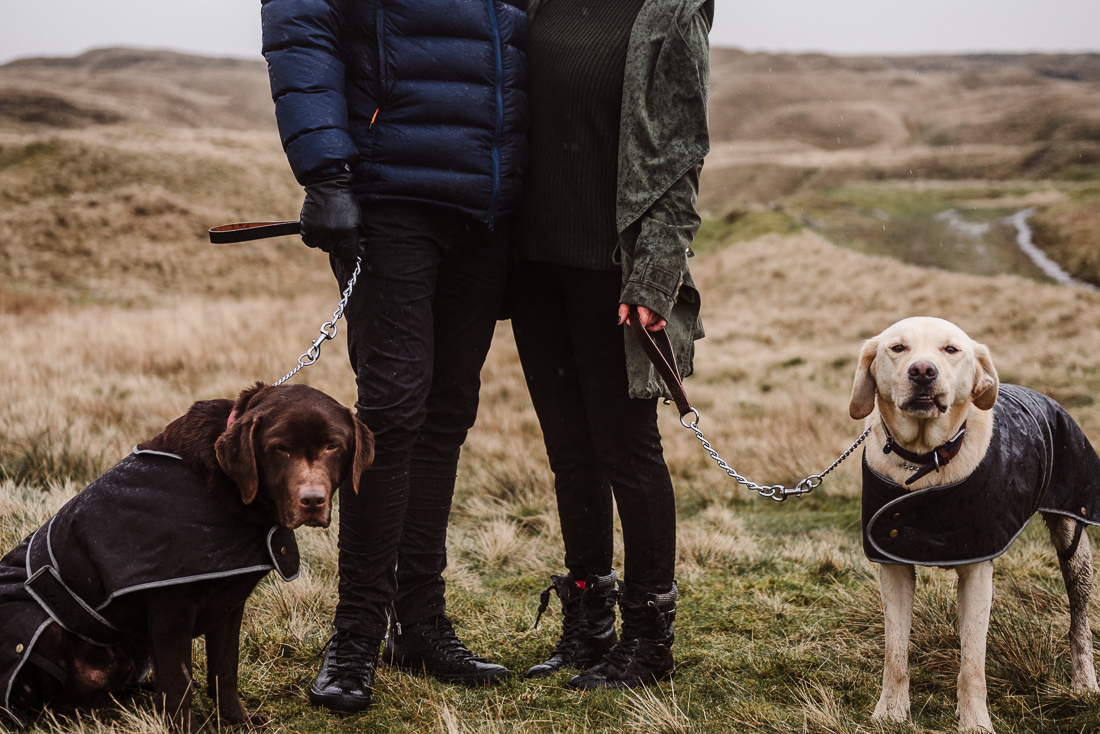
1038	460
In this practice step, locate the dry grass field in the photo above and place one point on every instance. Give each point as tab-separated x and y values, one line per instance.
115	315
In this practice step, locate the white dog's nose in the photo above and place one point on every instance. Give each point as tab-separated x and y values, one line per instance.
923	372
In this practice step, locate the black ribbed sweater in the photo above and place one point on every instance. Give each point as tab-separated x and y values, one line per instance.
576	56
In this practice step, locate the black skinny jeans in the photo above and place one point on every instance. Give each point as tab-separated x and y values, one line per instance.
420	321
600	442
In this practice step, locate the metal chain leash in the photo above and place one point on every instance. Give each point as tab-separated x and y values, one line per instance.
328	329
777	492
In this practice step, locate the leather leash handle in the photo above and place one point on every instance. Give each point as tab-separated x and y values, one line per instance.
658	348
245	231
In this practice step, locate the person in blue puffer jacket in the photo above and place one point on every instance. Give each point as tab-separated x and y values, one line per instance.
405	122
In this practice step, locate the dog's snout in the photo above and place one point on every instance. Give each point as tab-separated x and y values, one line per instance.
923	372
312	498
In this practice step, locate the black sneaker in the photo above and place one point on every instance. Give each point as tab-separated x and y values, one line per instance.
345	682
431	647
587	622
643	654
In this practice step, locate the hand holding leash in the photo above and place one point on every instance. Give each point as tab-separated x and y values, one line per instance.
330	218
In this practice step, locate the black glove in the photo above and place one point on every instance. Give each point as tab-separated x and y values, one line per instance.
330	218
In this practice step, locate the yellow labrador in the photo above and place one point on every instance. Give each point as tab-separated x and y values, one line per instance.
955	466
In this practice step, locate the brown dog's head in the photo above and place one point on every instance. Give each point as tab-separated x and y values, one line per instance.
293	445
920	368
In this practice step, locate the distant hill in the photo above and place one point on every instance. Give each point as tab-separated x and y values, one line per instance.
120	85
778	118
114	163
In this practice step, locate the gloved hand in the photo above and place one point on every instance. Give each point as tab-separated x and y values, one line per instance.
330	218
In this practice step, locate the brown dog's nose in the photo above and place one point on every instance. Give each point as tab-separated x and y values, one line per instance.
312	498
923	372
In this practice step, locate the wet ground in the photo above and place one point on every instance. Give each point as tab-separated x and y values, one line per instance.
928	228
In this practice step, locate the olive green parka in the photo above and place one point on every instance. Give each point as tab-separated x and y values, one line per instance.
663	138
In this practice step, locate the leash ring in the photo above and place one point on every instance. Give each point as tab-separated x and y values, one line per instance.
690	426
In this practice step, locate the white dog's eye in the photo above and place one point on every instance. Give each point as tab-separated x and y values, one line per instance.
897	348
950	349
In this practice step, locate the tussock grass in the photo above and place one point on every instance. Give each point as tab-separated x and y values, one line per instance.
779	627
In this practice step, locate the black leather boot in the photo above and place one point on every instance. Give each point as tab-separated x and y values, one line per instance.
345	682
431	647
643	654
587	622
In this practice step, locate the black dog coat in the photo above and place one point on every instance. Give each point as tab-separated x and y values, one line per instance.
1038	460
147	522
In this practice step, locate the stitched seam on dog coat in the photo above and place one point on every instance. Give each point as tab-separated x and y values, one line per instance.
1038	460
147	522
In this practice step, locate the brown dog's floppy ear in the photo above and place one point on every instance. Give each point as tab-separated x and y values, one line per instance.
237	456
863	389
986	382
364	451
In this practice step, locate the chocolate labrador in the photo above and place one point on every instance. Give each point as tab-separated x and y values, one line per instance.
166	546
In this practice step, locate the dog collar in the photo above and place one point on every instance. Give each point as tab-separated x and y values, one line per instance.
935	459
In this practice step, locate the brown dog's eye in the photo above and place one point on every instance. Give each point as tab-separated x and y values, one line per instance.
950	349
897	348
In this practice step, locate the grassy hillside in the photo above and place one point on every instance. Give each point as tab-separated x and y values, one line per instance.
779	626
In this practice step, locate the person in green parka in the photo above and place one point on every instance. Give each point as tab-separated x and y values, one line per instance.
618	95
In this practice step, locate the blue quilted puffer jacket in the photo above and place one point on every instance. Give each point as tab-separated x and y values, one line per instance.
423	99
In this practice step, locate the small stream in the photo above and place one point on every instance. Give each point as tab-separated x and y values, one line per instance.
963	239
1044	263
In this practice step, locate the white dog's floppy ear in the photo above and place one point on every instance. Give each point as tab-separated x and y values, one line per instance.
986	381
863	389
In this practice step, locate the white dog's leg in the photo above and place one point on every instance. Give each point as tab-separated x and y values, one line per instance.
897	585
975	600
1077	574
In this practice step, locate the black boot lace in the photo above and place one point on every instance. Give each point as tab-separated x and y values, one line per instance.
439	632
574	631
645	627
574	627
352	655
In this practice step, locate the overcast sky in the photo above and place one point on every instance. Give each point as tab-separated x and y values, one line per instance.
232	27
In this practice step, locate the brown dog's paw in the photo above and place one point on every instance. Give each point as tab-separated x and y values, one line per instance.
244	720
250	721
258	721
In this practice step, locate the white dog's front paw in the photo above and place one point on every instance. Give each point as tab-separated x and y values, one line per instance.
974	717
894	707
1084	681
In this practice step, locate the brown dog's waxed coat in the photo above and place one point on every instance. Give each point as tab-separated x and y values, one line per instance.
1038	460
167	545
146	547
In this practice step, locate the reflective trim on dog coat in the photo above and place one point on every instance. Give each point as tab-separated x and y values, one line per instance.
1038	460
147	522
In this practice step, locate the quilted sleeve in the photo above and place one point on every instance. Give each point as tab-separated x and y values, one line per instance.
301	42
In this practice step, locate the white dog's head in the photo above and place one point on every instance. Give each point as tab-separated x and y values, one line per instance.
921	368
